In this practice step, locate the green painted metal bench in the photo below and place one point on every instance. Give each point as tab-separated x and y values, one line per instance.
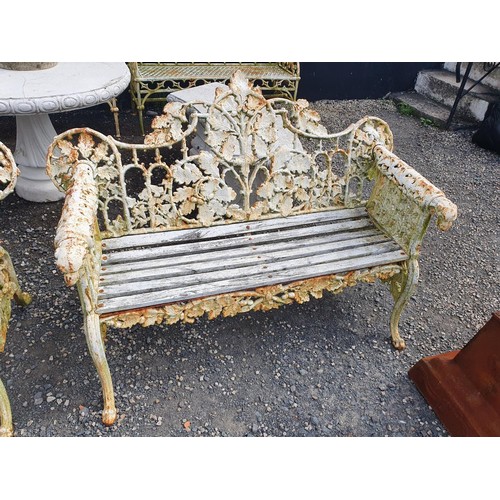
152	81
272	211
9	285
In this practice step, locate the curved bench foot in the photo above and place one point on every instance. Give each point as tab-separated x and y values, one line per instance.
402	294
398	343
96	348
23	298
109	416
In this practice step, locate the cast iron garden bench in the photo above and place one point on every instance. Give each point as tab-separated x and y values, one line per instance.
150	233
9	285
154	80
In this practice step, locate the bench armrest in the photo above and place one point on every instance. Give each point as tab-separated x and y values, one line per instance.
75	236
415	186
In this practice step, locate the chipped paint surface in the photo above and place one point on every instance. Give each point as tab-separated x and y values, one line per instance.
8	171
246	173
6	428
75	231
260	299
417	187
9	285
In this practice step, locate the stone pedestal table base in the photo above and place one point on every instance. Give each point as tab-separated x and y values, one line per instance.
35	133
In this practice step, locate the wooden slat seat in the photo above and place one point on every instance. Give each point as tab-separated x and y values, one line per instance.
158	268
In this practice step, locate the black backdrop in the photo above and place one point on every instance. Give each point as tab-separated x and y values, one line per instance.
358	80
346	80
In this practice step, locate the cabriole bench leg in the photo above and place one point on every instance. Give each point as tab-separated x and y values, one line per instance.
23	299
96	348
104	330
113	106
6	429
402	293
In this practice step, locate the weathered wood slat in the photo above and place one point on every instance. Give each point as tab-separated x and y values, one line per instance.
221	231
231	242
209	275
235	259
246	283
146	265
294	264
206	277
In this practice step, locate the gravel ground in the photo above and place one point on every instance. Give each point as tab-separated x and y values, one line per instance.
324	368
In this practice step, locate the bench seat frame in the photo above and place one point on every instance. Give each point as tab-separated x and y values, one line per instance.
219	187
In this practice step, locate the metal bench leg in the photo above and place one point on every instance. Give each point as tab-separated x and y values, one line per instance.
402	288
96	348
140	108
114	109
5	309
138	104
6	429
21	298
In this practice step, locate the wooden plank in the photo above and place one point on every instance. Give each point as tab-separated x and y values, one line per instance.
246	283
210	245
236	259
223	230
209	277
264	248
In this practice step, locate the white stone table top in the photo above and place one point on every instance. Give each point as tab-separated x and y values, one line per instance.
65	87
205	93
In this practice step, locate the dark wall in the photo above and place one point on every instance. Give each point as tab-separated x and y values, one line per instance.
369	80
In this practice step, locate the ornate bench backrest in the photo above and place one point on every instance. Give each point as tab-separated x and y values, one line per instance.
263	158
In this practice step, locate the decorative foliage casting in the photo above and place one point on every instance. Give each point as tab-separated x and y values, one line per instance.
402	201
400	216
7	290
75	231
416	187
260	299
8	171
8	176
263	158
9	286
